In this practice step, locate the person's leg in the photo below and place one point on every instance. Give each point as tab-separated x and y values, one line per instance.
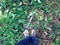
34	40
25	41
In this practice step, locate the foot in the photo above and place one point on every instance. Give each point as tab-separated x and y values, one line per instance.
26	33
33	33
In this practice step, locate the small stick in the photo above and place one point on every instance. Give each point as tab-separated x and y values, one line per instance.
27	25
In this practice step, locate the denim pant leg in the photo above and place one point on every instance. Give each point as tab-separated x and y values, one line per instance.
25	41
34	40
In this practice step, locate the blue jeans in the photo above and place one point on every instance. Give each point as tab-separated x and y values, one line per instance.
29	40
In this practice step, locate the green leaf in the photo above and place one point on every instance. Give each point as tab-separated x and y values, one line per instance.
39	1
